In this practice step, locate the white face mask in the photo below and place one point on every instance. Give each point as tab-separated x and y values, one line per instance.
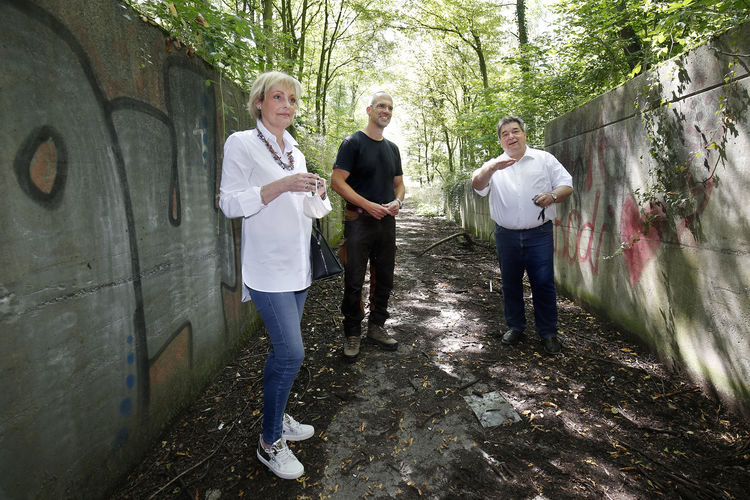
313	206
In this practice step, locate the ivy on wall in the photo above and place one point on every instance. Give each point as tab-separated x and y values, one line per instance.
680	179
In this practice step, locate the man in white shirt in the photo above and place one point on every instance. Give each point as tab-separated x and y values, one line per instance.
524	185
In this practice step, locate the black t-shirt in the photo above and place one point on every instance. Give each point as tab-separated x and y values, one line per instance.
371	164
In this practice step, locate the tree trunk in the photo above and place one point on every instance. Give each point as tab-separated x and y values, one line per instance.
477	45
449	147
302	39
523	34
267	34
319	96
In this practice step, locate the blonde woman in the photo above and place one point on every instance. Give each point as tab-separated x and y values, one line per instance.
264	181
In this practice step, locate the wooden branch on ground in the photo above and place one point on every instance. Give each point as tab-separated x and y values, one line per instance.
429	417
700	490
692	388
644	427
467	385
448	238
206	458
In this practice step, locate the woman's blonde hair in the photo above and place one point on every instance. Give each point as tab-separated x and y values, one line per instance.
263	84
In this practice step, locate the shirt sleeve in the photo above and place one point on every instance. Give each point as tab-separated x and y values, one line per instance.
238	197
345	156
485	190
397	153
558	175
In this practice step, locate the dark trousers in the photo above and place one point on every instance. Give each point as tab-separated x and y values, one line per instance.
532	251
367	239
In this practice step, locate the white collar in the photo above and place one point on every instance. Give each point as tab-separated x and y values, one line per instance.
289	141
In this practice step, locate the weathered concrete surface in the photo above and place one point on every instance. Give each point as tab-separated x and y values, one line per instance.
684	286
472	211
119	294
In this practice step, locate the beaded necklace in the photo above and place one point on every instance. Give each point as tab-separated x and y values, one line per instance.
276	156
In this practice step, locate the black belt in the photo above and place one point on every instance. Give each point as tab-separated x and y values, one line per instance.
357	209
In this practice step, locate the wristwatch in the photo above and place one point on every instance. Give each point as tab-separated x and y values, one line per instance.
554	196
400	203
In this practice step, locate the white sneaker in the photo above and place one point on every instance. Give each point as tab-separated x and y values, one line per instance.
280	459
294	431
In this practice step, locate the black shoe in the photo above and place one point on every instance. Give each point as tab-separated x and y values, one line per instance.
551	345
512	337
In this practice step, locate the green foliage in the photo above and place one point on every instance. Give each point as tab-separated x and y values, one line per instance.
427	200
613	41
454	67
224	38
680	178
429	210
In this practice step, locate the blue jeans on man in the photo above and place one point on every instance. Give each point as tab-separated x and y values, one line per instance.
530	251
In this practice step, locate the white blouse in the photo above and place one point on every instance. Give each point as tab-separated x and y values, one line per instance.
275	237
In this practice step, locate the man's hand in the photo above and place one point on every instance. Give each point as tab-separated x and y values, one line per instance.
376	210
501	164
392	207
543	200
480	179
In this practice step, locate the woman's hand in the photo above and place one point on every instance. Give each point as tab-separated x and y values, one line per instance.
322	188
304	182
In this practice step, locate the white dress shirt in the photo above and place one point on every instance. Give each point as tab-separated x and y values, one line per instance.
275	237
512	189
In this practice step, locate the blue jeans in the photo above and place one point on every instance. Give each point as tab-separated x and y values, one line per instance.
532	251
281	313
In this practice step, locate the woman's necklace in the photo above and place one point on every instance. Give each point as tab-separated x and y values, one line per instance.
275	156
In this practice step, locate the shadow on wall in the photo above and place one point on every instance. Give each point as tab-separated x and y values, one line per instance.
118	288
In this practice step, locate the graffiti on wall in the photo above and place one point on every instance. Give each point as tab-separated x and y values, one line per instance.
639	231
117	268
579	236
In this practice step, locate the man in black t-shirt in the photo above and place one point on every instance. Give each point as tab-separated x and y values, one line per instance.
367	174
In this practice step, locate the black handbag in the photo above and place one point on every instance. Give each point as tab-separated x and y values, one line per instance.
323	261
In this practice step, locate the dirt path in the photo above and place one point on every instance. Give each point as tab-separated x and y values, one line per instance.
603	420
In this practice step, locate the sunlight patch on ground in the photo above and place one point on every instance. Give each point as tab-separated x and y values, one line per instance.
451	316
452	345
460	343
446	367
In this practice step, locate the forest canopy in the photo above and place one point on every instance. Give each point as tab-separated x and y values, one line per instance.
454	67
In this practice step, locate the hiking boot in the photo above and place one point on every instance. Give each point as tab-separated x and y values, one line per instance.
294	431
351	347
551	345
280	460
378	334
512	337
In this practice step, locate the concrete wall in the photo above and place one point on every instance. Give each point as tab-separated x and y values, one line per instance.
119	291
683	288
463	206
